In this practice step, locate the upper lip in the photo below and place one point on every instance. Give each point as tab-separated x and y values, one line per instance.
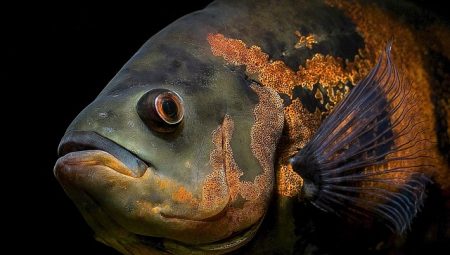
88	140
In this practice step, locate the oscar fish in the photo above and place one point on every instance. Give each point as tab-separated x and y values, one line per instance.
254	127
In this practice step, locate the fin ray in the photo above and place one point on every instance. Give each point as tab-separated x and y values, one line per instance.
369	156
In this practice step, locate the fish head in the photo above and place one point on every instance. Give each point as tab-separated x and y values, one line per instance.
176	154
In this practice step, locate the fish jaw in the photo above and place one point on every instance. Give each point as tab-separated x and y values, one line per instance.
140	204
123	208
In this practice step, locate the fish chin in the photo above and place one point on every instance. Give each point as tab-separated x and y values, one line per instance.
220	247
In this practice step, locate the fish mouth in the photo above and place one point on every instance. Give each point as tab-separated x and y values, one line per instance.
77	141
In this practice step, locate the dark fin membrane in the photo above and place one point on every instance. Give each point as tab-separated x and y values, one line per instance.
369	159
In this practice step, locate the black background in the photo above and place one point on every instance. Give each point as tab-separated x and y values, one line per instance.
55	61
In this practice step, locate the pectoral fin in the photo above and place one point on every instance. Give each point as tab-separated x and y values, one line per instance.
369	157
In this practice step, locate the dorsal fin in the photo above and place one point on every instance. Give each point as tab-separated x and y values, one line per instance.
370	155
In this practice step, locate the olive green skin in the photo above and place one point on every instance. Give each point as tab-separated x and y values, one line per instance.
179	58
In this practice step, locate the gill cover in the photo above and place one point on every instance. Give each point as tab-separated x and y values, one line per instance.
368	159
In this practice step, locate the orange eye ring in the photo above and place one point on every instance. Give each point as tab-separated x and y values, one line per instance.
169	107
161	110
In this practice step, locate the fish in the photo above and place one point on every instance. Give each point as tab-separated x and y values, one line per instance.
270	127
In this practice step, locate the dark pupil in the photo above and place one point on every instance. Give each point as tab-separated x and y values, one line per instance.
170	108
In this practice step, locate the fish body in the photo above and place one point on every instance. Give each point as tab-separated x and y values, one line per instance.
208	140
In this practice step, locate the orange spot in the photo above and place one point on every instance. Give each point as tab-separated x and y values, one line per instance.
163	183
305	41
181	195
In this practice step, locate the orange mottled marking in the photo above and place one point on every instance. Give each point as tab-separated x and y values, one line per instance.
323	69
272	74
327	70
264	138
265	133
254	194
289	182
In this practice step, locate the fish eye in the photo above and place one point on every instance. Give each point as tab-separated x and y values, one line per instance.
169	107
161	109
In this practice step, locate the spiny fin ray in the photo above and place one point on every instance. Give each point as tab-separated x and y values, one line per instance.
370	157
